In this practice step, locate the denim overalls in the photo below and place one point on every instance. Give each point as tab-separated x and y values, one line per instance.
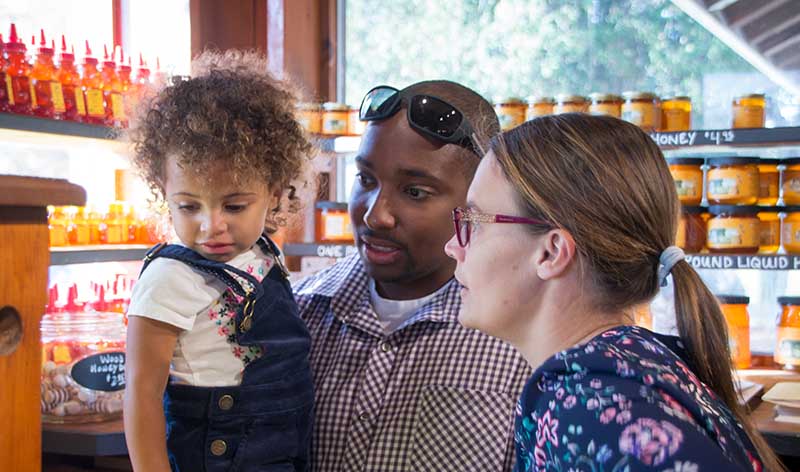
264	424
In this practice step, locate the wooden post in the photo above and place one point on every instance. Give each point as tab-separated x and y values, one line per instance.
24	259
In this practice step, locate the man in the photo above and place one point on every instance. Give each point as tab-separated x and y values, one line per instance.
400	384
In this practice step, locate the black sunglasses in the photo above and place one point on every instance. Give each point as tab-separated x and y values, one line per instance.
430	116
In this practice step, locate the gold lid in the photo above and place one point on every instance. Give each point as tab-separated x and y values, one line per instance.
677	98
308	106
751	95
605	97
508	101
537	99
567	98
632	95
333	106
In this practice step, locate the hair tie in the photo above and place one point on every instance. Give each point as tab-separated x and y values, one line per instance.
669	257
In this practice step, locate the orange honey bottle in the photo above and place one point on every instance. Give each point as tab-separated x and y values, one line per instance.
124	73
112	91
4	107
57	226
18	85
141	85
111	229
78	228
92	83
95	222
70	79
133	223
47	97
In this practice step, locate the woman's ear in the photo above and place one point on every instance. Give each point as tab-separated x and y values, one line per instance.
556	253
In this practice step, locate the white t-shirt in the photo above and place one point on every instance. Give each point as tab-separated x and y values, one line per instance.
393	313
203	308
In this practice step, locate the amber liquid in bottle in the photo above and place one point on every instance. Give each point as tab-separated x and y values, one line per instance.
48	96
18	85
74	102
93	90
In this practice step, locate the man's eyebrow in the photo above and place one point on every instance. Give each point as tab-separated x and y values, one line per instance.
418	173
363	161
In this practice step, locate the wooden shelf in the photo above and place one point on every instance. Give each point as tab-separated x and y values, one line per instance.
89	254
744	261
319	249
91	439
11	121
728	137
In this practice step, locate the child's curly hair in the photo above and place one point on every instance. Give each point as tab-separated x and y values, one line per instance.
231	110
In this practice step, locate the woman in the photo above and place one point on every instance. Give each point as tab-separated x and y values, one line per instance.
591	237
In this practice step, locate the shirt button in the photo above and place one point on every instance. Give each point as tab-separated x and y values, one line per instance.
386	347
225	402
363	416
218	447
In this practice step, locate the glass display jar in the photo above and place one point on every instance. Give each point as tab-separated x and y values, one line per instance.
790	188
566	103
687	172
83	367
539	106
334	118
768	182
734	308
770	234
691	236
676	114
734	229
787	347
790	230
309	115
733	180
333	222
748	111
510	111
605	104
642	109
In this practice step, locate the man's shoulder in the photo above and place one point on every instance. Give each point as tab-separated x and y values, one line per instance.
331	280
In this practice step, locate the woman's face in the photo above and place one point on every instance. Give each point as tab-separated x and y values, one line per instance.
497	267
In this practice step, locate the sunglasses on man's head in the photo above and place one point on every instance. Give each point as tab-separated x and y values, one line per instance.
430	116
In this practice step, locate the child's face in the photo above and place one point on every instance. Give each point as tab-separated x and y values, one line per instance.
217	217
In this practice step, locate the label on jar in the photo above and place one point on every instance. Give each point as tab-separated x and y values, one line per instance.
732	183
791	189
748	117
94	103
687	188
118	106
334	126
791	234
34	102
733	233
9	90
79	103
57	95
770	233
787	348
641	114
335	226
104	372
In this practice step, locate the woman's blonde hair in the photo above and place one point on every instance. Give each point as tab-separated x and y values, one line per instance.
607	183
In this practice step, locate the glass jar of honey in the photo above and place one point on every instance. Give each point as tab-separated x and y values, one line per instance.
334	118
733	180
787	347
790	230
734	229
605	104
539	106
687	172
748	111
309	115
83	366
691	236
770	234
734	308
642	109
566	103
676	113
355	127
333	222
510	111
768	182
790	188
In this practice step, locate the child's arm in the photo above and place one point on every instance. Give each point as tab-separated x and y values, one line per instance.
150	347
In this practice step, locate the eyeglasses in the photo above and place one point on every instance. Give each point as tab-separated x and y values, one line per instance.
464	217
430	116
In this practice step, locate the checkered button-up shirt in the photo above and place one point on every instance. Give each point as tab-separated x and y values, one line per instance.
431	396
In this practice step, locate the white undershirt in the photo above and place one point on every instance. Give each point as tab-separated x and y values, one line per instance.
393	313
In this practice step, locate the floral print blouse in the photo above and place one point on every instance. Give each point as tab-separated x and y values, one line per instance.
626	401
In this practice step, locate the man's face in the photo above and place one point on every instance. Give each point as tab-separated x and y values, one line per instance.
401	206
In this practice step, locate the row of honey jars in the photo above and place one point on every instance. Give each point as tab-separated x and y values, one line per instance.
739	229
78	226
330	119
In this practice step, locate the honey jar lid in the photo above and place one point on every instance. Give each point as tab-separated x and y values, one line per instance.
508	101
789	300
676	161
733	161
694	210
605	97
308	106
333	106
733	299
331	206
568	98
733	210
534	99
750	95
791	161
634	95
677	98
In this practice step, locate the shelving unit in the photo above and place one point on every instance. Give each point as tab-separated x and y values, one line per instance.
89	254
10	121
319	250
772	262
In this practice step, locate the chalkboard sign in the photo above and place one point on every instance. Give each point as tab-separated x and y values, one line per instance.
105	372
